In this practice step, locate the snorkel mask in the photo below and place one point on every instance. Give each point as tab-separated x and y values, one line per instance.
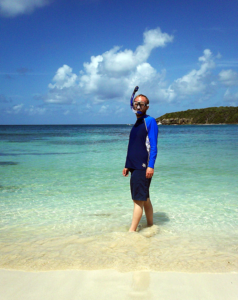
135	105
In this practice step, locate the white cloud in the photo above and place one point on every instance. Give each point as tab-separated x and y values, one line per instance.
62	96
114	70
113	75
230	97
65	89
12	8
196	81
121	62
228	77
228	64
64	78
103	109
119	110
66	112
110	75
15	109
32	110
167	94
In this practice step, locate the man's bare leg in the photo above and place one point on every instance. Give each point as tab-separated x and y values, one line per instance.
137	214
148	212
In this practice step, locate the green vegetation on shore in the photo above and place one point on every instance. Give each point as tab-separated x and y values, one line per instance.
210	115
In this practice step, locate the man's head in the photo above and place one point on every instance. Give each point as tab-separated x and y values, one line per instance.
141	104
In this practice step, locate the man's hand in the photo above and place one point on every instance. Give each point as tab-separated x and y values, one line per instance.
125	172
149	172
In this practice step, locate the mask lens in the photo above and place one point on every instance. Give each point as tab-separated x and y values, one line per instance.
141	104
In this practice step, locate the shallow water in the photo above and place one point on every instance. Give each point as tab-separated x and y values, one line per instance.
65	205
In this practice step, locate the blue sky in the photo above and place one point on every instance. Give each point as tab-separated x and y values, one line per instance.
77	62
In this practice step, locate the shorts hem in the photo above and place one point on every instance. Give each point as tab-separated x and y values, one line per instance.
140	199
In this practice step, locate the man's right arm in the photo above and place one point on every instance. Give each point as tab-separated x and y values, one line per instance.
152	128
125	172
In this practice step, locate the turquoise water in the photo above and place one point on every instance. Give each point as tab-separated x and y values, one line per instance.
64	203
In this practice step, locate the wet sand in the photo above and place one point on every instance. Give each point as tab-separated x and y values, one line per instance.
124	252
110	284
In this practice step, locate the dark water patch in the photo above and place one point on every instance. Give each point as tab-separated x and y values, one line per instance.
20	141
38	153
10	188
52	153
101	214
47	153
19	137
29	132
81	143
30	137
8	154
8	163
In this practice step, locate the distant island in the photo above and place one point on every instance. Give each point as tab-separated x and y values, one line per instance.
210	115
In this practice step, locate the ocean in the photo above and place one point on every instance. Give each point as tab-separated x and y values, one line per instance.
64	203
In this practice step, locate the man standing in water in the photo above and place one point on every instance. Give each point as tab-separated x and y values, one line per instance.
140	160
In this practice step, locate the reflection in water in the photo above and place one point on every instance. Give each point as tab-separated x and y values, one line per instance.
149	231
140	286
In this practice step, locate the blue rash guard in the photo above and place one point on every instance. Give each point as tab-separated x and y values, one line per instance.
142	147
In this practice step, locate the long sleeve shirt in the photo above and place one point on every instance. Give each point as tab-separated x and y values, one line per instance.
142	147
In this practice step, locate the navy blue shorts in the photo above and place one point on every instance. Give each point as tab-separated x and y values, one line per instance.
139	185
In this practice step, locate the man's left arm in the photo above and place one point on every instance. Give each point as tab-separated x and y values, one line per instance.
153	131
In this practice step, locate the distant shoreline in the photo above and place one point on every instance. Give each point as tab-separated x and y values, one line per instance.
201	124
28	125
204	116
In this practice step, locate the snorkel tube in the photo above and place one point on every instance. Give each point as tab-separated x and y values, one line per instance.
132	101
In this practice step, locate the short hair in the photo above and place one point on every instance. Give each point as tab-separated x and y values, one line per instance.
148	101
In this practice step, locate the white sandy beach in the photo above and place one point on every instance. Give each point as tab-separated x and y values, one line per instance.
109	284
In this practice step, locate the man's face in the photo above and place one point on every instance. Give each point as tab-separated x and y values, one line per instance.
140	105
